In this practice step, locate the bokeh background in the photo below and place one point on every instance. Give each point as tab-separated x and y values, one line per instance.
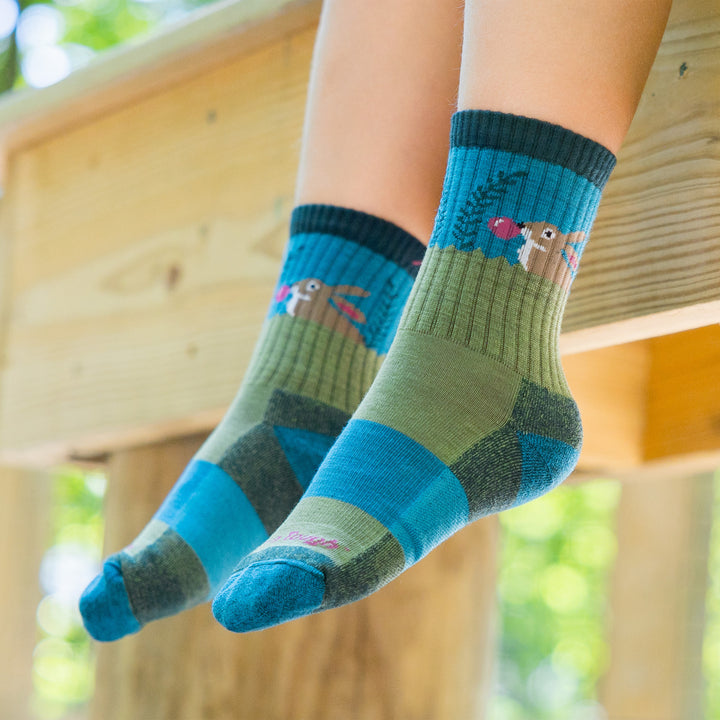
555	571
41	43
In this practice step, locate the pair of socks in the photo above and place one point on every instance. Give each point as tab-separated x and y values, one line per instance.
345	278
468	415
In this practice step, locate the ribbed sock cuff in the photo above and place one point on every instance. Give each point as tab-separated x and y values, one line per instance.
381	236
535	138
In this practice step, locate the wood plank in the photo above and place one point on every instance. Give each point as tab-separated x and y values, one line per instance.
24	538
653	263
419	649
684	395
650	409
683	415
657	601
610	388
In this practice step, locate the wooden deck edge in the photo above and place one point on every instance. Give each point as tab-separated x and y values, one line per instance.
92	449
640	328
125	74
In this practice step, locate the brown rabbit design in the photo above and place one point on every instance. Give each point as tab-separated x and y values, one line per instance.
545	250
313	300
543	244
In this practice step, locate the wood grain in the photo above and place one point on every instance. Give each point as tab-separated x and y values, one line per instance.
417	650
146	246
650	409
123	75
653	263
141	243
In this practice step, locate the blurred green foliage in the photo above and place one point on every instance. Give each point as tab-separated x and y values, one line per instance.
557	554
41	42
63	663
555	566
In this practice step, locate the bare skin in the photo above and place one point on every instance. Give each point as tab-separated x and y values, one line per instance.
383	88
385	80
581	64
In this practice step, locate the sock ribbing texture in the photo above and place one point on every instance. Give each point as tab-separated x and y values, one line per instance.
470	414
345	277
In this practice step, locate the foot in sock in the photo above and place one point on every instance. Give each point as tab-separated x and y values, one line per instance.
470	413
344	281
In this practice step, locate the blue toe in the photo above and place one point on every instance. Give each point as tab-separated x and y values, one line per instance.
269	593
105	607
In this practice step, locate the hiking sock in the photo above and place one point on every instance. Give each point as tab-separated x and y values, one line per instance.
470	413
345	278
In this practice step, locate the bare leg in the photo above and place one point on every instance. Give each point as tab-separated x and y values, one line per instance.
580	64
382	91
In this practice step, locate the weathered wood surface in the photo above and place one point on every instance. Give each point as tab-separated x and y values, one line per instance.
683	413
125	74
656	613
143	243
420	649
650	408
24	536
652	266
609	386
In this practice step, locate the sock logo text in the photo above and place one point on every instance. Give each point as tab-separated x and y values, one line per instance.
313	540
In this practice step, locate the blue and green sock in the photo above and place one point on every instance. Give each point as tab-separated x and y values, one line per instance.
470	413
345	279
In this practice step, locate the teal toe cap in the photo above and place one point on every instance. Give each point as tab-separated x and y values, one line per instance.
105	607
269	593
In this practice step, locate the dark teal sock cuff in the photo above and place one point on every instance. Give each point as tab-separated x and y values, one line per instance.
380	236
535	138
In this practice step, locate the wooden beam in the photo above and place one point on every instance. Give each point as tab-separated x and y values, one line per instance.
172	217
610	388
657	601
652	266
651	408
206	39
143	243
419	648
683	415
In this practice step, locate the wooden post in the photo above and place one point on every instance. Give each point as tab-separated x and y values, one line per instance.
658	600
23	540
417	650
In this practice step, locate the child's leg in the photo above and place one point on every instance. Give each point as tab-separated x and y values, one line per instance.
383	89
580	64
371	175
470	414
